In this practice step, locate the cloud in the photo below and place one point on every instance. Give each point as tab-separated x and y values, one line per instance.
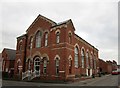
96	22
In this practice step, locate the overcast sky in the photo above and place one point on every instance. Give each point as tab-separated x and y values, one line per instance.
96	21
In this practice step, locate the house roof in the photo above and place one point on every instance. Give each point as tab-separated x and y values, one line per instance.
11	53
21	36
64	22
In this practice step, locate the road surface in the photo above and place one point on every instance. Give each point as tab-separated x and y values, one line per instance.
108	80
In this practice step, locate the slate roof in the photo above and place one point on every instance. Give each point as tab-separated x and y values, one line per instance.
11	53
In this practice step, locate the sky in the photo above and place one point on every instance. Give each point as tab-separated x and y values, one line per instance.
96	21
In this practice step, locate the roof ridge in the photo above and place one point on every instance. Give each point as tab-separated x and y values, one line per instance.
47	18
37	19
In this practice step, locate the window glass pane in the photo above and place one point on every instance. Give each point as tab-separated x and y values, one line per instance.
38	39
46	39
45	63
57	37
87	59
37	64
82	54
76	57
57	65
57	62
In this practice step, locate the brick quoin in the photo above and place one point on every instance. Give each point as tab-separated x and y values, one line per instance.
64	51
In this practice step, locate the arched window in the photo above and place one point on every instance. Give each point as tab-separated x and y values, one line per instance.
87	59
76	56
57	66
20	47
70	66
31	42
37	64
38	39
94	61
18	65
46	39
44	65
82	57
57	37
91	61
70	37
3	65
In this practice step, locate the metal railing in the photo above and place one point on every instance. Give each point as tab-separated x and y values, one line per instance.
30	74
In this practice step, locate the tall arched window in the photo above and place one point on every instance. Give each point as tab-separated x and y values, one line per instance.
82	57
31	42
20	46
94	61
70	37
76	56
57	66
38	39
87	59
44	65
37	64
57	37
70	66
46	39
91	61
3	66
18	66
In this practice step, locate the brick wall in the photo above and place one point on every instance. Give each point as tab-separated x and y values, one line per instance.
64	49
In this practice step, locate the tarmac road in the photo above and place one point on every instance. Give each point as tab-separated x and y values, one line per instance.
108	80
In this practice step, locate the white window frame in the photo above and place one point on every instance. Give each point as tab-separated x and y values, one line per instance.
46	39
82	58
45	66
58	37
76	56
91	61
87	59
57	65
38	39
36	63
4	65
31	42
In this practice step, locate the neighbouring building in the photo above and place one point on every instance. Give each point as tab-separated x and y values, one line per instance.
52	51
114	65
109	67
8	59
105	67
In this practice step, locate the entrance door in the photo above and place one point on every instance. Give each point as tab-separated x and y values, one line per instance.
88	72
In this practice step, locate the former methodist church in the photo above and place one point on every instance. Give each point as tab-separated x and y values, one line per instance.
52	51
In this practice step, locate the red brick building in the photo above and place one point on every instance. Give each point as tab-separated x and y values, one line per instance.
8	59
52	51
105	66
113	64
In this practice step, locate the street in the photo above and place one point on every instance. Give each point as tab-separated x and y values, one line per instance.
107	80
